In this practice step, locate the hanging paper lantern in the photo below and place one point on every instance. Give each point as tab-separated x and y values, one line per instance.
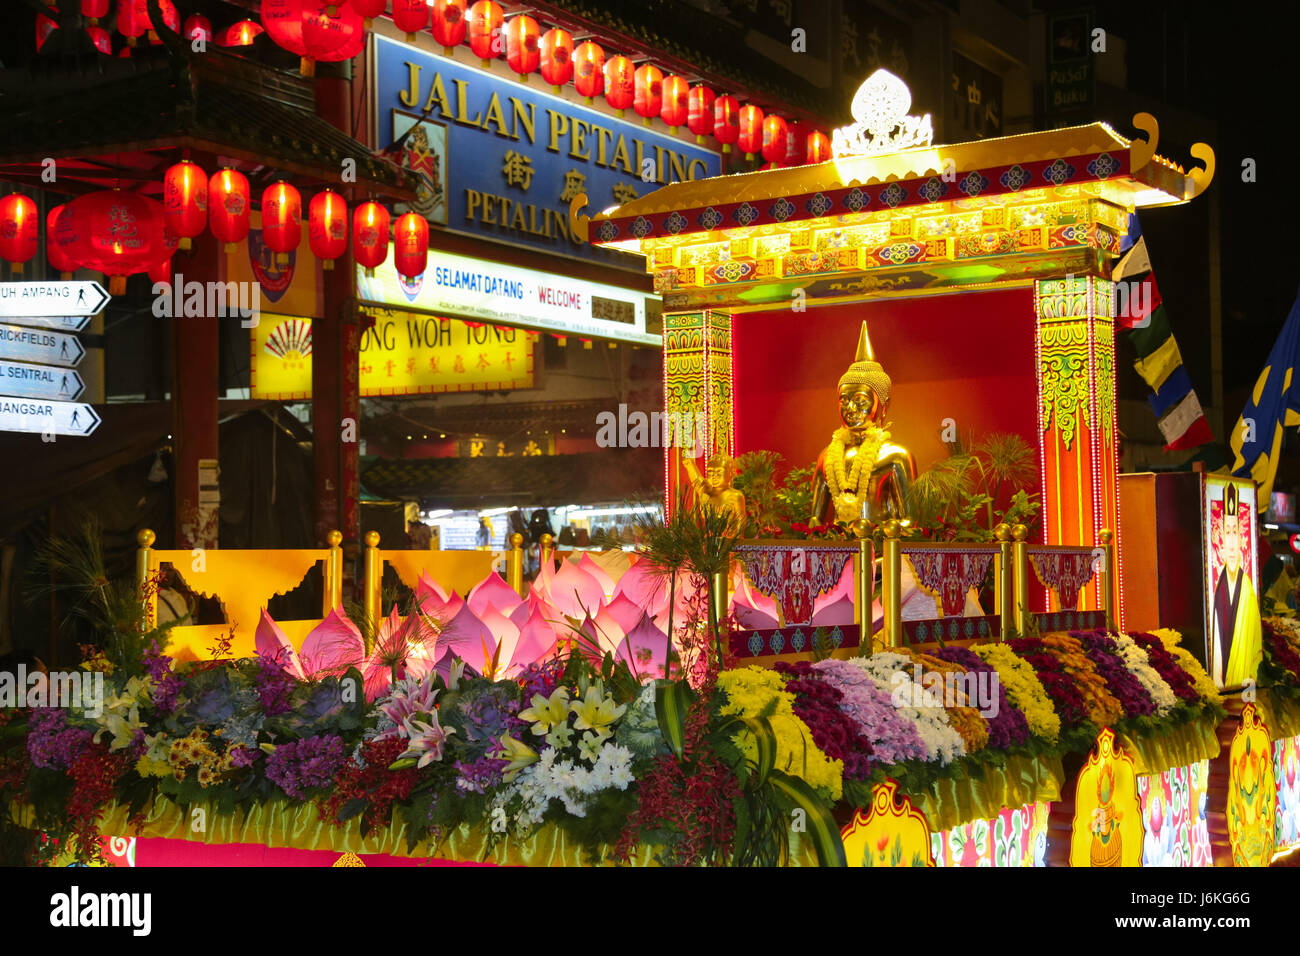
229	208
676	101
796	142
44	27
368	10
410	16
589	70
648	92
197	26
556	49
484	29
281	220
751	130
20	229
327	227
94	10
282	21
329	37
522	53
410	245
370	235
99	36
133	19
774	144
62	262
448	23
115	232
620	83
819	147
699	112
161	271
726	121
242	33
185	201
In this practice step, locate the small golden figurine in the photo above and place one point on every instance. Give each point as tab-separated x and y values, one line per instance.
862	474
714	489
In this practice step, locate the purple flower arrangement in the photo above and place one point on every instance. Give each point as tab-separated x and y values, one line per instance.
51	743
274	687
479	775
818	704
167	684
304	765
1120	681
1008	726
893	737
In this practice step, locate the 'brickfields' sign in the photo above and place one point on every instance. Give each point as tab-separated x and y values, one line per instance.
501	160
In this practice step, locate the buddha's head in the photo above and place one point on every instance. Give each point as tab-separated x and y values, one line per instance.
864	388
719	471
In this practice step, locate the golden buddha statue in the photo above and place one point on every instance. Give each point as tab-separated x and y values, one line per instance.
714	490
861	473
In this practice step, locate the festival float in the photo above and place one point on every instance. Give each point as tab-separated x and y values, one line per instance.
924	649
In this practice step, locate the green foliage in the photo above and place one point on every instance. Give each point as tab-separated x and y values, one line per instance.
959	493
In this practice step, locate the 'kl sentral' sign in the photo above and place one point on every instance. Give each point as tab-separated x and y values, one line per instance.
402	353
485	291
501	160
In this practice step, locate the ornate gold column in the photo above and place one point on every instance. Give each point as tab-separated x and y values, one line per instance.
697	391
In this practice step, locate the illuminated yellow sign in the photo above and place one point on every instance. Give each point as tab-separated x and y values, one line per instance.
403	353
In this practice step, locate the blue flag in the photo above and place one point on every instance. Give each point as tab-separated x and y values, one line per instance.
1274	404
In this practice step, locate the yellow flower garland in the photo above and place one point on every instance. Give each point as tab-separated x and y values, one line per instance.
749	690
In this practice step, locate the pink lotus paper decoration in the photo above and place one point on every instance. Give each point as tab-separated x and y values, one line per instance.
574	592
492	592
406	647
585	563
330	648
644	649
623	611
493	645
644	586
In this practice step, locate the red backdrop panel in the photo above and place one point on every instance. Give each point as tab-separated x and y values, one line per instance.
967	357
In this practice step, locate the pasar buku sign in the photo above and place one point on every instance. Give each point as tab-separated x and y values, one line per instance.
501	160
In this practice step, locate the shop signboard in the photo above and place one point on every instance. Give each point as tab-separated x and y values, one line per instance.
485	291
501	160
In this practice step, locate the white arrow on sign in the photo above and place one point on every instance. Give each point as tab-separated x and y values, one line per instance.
40	346
74	297
41	418
40	381
65	323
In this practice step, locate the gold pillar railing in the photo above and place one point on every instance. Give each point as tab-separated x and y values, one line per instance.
547	548
1004	578
372	585
332	591
1108	573
1020	571
891	584
145	540
864	581
515	564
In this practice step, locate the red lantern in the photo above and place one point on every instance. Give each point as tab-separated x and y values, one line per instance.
556	48
133	19
484	30
185	201
620	83
726	120
819	147
99	36
44	27
774	144
410	16
94	10
677	104
370	235
327	227
410	245
448	24
751	130
242	33
699	112
161	271
522	53
281	220
20	229
229	208
368	9
329	37
114	232
589	70
197	26
282	20
648	92
62	262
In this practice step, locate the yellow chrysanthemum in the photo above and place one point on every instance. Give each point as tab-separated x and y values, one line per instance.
1024	689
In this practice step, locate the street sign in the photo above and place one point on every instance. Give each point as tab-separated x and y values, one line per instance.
40	346
74	297
40	381
39	417
64	323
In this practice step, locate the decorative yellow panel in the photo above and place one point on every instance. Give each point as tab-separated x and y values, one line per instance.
665	281
1107	817
932	227
772	245
894	833
742	248
994	217
688	276
938	248
702	253
901	227
1252	792
803	239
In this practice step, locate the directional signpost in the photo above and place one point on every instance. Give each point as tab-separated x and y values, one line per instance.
47	418
38	352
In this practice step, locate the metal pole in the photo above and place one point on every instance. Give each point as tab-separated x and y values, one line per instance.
891	584
1020	564
1003	579
515	564
1108	575
332	592
374	572
145	540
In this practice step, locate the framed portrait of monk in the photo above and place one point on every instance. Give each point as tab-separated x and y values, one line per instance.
1232	630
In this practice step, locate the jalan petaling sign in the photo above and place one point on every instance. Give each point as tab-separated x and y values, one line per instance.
502	161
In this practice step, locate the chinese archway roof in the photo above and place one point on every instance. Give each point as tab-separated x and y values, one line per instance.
97	118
